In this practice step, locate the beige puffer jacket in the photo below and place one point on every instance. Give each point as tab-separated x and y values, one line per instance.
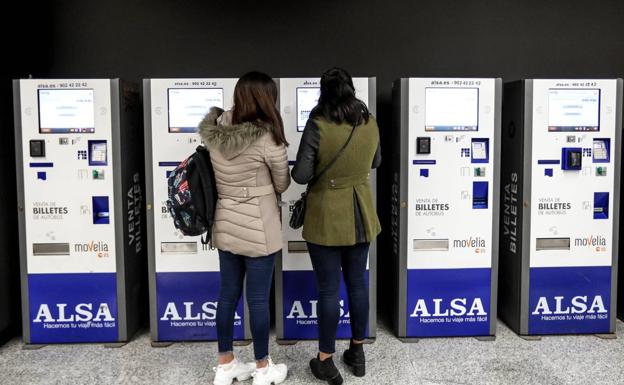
250	170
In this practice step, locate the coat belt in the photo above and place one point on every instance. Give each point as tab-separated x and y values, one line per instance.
245	191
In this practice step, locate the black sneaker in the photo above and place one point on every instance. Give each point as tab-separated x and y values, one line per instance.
355	360
326	370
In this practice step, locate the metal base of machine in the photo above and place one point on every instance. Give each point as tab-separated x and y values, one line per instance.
33	346
606	336
284	342
530	338
115	345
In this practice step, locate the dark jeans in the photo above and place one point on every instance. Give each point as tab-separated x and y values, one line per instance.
259	277
327	262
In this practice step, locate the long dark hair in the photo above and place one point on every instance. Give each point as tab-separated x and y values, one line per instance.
337	102
255	98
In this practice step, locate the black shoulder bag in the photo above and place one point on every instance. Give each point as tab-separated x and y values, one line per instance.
298	212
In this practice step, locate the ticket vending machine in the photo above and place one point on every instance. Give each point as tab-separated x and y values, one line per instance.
295	284
444	218
183	272
560	203
80	209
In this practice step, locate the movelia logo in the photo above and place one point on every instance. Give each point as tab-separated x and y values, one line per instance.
91	247
469	243
591	240
82	312
579	304
208	311
298	311
456	307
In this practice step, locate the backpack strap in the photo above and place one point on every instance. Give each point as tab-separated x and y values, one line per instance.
204	169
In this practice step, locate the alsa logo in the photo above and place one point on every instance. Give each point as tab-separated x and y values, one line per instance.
591	241
580	304
456	307
83	312
469	243
98	247
207	311
309	311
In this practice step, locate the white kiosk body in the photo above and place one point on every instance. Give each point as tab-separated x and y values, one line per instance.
445	205
560	205
81	209
183	272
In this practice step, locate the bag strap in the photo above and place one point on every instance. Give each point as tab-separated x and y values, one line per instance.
330	164
204	169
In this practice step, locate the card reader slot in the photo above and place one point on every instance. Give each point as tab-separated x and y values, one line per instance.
50	248
178	247
297	247
431	244
552	244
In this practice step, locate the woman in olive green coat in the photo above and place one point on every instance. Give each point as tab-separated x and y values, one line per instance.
340	218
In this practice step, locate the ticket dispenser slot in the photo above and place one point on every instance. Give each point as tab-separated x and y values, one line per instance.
601	205
431	244
571	158
297	247
552	244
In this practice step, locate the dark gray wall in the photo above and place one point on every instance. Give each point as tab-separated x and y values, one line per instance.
510	39
25	51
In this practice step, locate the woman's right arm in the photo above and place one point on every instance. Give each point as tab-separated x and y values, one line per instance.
303	171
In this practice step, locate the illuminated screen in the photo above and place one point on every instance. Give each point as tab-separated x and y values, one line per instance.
451	109
307	98
66	111
573	110
188	106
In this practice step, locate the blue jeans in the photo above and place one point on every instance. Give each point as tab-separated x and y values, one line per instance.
259	272
327	262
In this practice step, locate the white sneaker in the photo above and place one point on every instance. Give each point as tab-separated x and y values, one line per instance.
226	373
270	374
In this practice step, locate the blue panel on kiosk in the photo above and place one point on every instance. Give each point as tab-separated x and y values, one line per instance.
101	212
68	308
187	306
571	158
448	302
301	307
479	195
601	205
569	300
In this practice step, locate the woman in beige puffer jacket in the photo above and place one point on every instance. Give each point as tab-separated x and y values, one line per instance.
250	169
248	152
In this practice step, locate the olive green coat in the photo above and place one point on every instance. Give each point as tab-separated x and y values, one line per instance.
330	207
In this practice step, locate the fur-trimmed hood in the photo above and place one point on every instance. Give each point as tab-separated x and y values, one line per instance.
229	139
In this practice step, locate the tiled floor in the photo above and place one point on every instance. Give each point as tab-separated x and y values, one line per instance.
575	360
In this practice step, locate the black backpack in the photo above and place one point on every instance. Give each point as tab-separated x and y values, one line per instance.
193	195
